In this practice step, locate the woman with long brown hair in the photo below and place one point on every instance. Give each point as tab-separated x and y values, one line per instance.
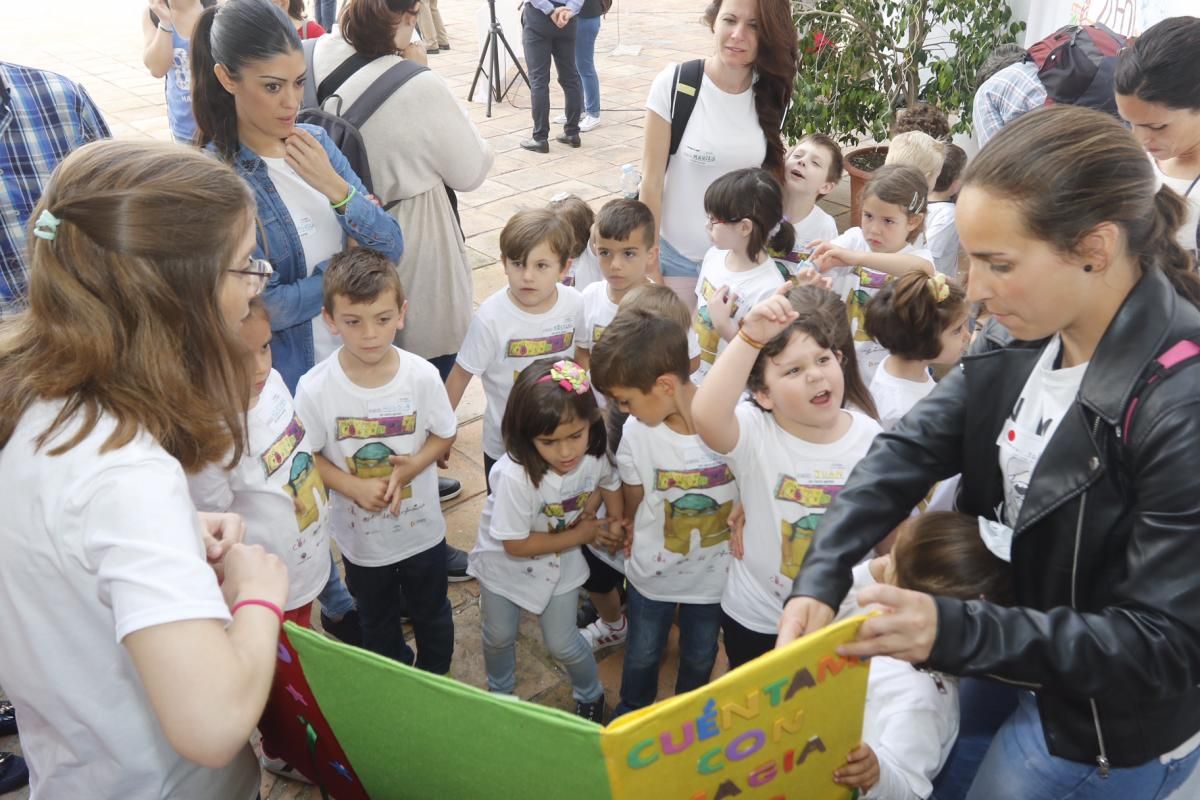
124	373
745	88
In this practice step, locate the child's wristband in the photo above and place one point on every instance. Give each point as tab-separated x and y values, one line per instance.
264	603
349	196
750	340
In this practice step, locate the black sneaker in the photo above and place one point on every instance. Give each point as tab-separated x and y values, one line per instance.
448	488
13	772
456	565
8	718
347	629
591	711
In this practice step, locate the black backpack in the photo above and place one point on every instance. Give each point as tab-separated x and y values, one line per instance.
343	126
1076	64
689	76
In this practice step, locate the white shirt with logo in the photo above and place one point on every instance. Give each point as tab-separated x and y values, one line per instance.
749	287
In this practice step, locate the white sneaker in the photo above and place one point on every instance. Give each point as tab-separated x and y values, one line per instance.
588	122
602	634
283	769
561	119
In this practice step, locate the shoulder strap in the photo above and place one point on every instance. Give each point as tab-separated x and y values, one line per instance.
688	79
310	86
334	80
380	90
1176	357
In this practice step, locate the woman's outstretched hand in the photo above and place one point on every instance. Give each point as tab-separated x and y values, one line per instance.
906	630
802	616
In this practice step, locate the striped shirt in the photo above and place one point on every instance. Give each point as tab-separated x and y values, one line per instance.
43	117
1008	94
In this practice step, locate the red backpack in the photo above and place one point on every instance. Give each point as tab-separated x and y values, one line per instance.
1076	63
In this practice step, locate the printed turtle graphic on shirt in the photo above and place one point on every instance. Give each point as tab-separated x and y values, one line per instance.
371	461
796	537
695	514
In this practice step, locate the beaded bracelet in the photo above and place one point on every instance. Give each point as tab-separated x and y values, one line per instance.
264	603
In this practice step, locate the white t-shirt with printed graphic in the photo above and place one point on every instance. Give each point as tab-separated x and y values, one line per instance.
941	236
1048	394
585	270
358	429
856	286
504	339
320	235
749	287
516	508
681	532
598	312
787	484
894	397
818	226
277	490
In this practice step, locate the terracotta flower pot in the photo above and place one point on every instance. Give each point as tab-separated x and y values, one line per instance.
859	176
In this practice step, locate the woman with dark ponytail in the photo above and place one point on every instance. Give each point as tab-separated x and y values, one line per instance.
1066	445
744	89
248	80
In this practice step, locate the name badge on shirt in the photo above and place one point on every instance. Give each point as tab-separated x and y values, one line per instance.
392	407
305	226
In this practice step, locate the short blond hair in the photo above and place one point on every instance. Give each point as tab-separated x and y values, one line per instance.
920	151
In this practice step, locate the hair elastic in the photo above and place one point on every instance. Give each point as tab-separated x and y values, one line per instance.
560	197
569	375
938	286
46	226
267	604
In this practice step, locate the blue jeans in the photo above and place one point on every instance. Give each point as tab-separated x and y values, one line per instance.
421	580
585	62
326	13
501	617
1019	765
649	626
674	264
335	600
983	705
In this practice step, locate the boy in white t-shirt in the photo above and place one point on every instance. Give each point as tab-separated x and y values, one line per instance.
681	494
379	419
812	169
941	232
533	317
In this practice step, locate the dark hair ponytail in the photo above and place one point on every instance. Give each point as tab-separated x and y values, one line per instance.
232	34
752	194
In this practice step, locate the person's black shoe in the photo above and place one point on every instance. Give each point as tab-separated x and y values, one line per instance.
591	711
13	772
443	47
586	614
456	565
448	488
432	51
348	629
573	141
536	145
8	718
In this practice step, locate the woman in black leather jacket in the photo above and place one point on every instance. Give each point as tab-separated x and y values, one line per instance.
1071	248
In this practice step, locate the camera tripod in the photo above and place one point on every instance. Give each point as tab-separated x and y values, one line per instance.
491	47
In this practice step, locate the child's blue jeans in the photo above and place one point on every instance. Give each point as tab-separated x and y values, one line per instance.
501	617
649	626
1019	765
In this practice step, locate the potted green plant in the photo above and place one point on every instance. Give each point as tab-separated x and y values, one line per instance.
860	60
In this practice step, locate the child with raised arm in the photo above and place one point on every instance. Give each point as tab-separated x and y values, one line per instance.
862	259
379	419
812	170
791	449
534	317
679	493
745	218
547	488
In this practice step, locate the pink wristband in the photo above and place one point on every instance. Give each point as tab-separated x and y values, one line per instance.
264	603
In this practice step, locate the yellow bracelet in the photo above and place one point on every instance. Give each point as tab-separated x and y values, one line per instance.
750	340
349	197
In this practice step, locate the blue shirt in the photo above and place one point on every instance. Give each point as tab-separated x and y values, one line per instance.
44	117
178	83
293	296
547	7
1008	94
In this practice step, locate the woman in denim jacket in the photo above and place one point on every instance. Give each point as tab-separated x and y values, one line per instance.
248	71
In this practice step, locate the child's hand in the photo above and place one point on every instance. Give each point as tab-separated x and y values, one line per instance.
770	317
370	494
627	550
737	531
720	312
807	276
861	770
828	256
404	471
611	535
220	532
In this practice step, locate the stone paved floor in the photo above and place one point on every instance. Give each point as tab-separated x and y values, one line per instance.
99	44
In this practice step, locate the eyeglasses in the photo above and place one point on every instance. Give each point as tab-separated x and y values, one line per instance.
258	270
714	222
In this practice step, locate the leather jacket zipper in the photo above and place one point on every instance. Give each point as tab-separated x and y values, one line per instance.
1102	759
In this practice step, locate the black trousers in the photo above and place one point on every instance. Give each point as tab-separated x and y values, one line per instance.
544	40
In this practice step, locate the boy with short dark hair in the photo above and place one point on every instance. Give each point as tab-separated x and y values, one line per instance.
680	493
379	418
